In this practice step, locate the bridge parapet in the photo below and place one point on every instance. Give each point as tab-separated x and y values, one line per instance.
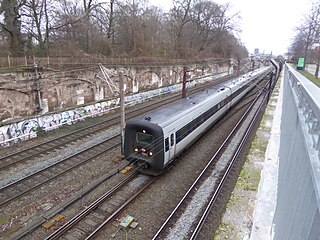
308	100
297	213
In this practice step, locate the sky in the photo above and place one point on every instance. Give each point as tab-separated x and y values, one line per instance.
268	25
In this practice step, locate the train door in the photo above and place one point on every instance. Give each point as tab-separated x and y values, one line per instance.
229	98
170	145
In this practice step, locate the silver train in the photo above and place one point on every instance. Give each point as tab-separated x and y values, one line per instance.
156	138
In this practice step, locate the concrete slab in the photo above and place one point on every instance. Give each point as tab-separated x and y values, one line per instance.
267	192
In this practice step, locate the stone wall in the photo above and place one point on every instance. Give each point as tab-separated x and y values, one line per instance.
38	91
24	129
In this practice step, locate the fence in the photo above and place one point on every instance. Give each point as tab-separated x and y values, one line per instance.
68	61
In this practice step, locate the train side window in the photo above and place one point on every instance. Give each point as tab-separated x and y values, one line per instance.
178	135
172	139
166	142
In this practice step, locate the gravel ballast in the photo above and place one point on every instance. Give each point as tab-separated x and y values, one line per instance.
238	221
149	210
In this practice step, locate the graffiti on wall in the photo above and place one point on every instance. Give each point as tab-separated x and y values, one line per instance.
29	128
16	132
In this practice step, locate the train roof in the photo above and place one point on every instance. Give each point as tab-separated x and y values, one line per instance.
169	113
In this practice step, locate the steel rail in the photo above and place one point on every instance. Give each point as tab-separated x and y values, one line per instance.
119	210
214	197
63	171
12	159
72	222
227	139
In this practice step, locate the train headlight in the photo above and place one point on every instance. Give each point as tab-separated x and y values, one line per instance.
150	153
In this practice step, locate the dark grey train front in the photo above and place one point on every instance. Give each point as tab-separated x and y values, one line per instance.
156	138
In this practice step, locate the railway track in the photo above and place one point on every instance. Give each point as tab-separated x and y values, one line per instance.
194	230
94	227
97	228
197	230
37	179
88	223
10	160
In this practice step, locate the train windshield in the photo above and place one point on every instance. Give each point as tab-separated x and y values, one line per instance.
144	138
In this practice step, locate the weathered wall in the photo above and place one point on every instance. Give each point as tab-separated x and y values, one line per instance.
38	91
12	133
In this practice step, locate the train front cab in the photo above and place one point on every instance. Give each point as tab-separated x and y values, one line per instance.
144	144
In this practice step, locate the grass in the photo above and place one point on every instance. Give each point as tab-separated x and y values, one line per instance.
249	179
311	77
259	145
4	220
16	69
225	231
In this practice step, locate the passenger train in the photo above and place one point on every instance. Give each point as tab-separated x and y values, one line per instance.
154	139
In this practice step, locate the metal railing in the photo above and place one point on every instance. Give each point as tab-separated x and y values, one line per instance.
308	100
297	213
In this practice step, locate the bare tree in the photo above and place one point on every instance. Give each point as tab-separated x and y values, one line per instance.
72	27
181	16
206	17
192	28
12	25
130	24
307	35
316	19
202	25
38	17
87	7
228	21
104	17
110	31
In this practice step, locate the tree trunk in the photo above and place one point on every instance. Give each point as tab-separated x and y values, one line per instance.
12	26
316	74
